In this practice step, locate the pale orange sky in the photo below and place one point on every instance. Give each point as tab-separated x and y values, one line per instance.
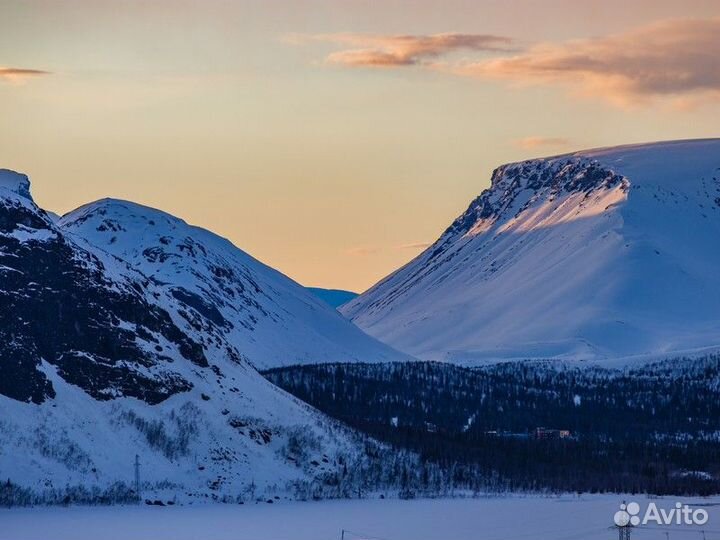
332	140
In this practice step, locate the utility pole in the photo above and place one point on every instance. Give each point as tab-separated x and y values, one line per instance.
624	531
623	522
137	477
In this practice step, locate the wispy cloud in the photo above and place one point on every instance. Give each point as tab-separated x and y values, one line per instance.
415	245
528	143
15	74
676	59
370	50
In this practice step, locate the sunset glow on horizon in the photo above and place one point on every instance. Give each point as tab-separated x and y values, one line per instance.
335	140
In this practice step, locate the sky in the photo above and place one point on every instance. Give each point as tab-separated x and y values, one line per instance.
334	140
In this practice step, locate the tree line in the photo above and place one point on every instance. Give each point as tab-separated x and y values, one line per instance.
653	429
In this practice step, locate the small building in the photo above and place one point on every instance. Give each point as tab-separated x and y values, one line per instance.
546	434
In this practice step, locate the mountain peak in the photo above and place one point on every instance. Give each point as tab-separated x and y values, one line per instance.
15	182
269	319
594	255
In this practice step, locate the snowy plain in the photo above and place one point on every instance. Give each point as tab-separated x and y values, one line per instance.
566	517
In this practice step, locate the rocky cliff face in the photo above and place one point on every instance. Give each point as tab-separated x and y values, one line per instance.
92	318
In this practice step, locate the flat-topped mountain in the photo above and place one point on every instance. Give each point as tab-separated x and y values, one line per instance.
596	255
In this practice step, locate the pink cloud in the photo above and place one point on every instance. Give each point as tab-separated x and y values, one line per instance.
367	50
415	245
20	73
675	58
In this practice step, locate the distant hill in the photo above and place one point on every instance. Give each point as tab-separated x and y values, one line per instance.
334	297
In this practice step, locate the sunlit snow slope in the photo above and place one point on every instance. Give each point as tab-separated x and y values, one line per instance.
598	255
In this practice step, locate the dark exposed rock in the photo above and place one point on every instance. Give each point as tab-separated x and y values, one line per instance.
566	175
196	302
60	304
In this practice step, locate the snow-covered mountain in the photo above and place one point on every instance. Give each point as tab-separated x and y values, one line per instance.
597	255
265	317
100	361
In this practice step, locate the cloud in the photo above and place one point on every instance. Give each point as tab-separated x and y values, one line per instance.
675	58
528	143
367	50
415	245
14	74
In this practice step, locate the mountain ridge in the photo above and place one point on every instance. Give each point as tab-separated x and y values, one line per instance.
253	303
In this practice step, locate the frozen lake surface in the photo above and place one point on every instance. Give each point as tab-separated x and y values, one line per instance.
560	518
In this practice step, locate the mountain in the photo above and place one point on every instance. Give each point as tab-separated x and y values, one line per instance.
266	318
100	362
334	297
601	255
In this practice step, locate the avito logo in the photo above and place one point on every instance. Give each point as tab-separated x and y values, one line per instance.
680	514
